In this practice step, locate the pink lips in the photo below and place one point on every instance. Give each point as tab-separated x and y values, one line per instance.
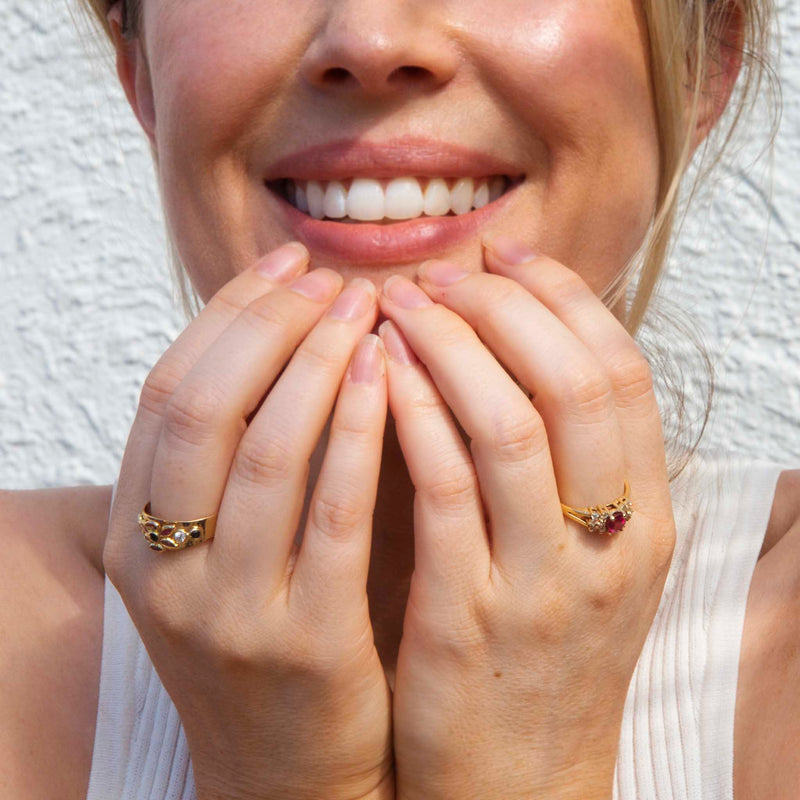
415	239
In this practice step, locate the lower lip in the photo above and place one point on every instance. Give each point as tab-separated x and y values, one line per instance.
412	240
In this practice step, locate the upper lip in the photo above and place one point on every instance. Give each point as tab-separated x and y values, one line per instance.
403	157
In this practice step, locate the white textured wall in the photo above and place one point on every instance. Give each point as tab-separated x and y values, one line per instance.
86	302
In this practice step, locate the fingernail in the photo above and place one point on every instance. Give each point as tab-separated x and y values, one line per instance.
354	301
442	273
284	262
406	294
366	367
508	250
397	348
319	284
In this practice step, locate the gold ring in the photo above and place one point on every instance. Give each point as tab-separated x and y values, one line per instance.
609	519
166	534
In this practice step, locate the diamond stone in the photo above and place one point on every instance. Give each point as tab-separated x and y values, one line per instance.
180	537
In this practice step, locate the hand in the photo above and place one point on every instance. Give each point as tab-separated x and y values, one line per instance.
265	646
522	629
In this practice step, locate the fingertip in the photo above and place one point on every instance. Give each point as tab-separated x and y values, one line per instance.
284	262
506	250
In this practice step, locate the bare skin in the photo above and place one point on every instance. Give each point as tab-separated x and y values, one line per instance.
340	63
54	609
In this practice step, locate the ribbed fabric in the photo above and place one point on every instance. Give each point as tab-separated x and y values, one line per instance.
676	740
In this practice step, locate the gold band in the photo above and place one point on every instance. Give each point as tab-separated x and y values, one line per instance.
608	519
164	534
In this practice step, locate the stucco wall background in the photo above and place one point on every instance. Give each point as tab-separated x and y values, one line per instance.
86	305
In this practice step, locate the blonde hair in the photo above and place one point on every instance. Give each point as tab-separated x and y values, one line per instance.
686	42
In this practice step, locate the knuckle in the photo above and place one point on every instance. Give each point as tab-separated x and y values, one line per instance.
587	395
506	292
116	565
225	305
517	439
452	487
567	289
662	548
159	386
455	635
266	316
337	514
354	429
612	585
426	403
451	334
631	377
192	416
264	462
506	297
169	609
321	355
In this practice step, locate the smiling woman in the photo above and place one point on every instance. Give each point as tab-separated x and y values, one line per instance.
409	443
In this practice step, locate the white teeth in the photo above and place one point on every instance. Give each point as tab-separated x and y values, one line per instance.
335	203
461	196
403	198
481	197
300	201
365	200
371	200
316	200
437	198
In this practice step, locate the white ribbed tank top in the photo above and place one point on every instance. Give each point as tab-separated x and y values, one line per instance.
676	740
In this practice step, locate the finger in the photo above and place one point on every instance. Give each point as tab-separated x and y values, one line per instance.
450	538
508	441
205	417
265	474
567	296
330	573
569	385
133	486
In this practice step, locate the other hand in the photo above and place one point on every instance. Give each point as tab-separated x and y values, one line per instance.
266	648
522	628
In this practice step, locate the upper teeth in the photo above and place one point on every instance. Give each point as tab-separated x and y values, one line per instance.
369	199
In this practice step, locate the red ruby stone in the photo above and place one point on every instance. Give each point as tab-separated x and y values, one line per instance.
615	523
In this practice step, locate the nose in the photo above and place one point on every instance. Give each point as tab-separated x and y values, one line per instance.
380	48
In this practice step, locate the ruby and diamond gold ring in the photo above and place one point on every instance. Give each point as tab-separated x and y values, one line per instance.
609	519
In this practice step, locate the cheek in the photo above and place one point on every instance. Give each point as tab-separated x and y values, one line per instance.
208	92
209	97
578	74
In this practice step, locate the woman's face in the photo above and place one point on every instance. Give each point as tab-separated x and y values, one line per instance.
550	100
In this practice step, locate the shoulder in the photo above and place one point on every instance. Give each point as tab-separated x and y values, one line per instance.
785	515
767	728
51	626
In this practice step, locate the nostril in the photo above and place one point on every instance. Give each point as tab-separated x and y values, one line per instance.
336	75
410	73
